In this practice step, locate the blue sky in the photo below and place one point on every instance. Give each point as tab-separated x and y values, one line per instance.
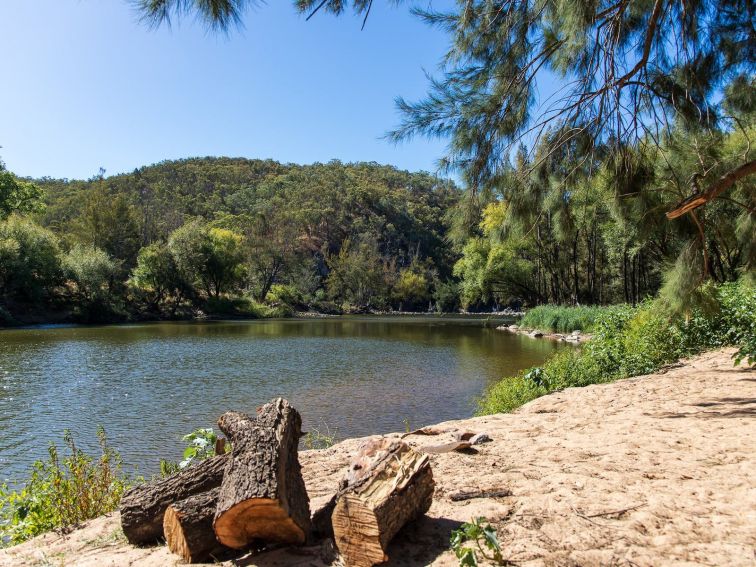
85	85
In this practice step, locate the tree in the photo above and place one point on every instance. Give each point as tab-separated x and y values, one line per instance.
217	14
17	195
359	275
210	258
269	244
157	275
108	222
29	259
91	270
412	287
629	68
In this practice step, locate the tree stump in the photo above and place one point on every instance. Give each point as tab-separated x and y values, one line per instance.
188	527
143	507
389	484
263	494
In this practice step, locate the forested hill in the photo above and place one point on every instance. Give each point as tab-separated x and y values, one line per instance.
323	203
219	233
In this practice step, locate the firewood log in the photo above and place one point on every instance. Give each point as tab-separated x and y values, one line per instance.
143	507
263	494
389	484
188	527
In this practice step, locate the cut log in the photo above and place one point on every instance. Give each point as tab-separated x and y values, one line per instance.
188	527
143	507
263	494
389	484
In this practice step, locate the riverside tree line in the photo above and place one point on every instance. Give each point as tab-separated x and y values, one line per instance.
637	180
259	238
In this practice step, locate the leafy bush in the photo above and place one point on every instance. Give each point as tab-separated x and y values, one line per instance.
632	341
201	445
62	493
245	307
287	294
29	259
563	319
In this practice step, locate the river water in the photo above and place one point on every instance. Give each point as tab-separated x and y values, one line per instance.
149	384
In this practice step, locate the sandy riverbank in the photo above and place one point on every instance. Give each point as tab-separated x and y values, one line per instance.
653	470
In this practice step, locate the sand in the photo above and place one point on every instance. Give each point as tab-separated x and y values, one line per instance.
653	470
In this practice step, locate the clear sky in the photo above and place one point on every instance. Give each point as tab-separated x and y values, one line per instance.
85	85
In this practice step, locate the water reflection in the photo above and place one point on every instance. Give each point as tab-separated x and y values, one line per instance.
148	384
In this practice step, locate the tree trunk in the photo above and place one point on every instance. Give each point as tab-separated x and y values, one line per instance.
263	494
389	484
143	507
188	527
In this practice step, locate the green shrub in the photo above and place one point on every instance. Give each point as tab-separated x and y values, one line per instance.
201	446
62	493
286	294
563	318
245	307
508	395
632	341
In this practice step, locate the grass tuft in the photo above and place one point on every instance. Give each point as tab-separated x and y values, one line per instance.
563	318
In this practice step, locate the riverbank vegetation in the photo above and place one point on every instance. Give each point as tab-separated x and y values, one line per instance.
563	318
630	341
226	237
249	238
62	491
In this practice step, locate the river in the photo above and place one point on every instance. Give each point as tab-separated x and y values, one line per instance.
149	384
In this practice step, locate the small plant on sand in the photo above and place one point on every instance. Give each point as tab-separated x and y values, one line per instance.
482	535
62	492
319	438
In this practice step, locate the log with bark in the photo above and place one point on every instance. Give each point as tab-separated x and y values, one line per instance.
389	484
263	494
143	507
188	527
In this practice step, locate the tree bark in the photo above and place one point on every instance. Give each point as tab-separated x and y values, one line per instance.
263	494
143	507
188	527
389	484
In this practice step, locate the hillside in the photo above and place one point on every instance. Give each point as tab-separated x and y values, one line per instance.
230	237
328	202
653	470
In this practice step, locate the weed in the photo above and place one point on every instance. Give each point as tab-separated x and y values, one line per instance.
62	492
201	446
483	535
319	438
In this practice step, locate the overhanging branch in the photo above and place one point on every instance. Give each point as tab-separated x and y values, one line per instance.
711	193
